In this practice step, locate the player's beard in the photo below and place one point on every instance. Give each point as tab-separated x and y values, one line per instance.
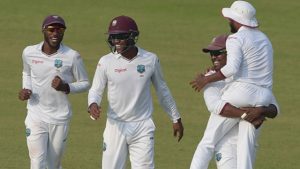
232	27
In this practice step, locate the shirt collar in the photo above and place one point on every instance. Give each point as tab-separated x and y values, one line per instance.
118	55
245	28
60	49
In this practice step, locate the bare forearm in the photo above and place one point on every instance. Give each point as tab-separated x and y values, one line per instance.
215	77
231	111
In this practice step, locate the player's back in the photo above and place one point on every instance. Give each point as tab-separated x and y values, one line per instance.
257	65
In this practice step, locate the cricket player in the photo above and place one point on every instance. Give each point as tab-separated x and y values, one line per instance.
221	133
128	72
51	71
250	64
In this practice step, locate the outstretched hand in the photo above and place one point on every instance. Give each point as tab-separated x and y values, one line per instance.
178	130
199	82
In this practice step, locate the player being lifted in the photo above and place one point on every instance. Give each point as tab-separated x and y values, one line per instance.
220	136
128	72
250	63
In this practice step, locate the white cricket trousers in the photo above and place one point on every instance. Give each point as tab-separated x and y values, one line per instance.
135	138
217	129
240	95
225	151
46	143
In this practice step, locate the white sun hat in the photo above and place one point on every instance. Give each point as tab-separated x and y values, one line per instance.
242	12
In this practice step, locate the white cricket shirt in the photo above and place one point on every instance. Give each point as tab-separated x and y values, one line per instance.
128	85
46	104
249	57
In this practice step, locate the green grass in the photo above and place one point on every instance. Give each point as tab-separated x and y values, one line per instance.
176	30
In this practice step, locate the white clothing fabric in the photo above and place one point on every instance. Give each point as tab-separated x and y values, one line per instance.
241	95
128	85
216	129
46	143
49	110
226	150
135	138
249	57
129	126
46	104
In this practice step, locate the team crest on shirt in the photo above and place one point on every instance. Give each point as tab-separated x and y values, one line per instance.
104	146
58	63
218	156
141	68
28	131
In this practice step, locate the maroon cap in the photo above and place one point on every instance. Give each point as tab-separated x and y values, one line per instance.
122	24
53	19
217	43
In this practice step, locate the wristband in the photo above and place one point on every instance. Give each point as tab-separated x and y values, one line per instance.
243	116
177	120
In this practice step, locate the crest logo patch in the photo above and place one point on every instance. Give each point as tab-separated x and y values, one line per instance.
28	131
104	147
141	68
58	63
218	156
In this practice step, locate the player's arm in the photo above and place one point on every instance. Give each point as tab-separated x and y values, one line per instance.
81	82
201	80
26	91
59	85
252	112
96	91
166	100
234	60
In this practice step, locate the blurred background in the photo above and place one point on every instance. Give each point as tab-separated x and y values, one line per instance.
176	31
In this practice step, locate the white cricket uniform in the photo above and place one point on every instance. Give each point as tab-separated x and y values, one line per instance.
49	111
220	136
250	64
129	126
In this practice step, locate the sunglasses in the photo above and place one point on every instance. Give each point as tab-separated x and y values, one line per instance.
217	52
51	29
121	36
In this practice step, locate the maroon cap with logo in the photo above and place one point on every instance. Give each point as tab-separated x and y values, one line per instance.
122	24
53	19
217	43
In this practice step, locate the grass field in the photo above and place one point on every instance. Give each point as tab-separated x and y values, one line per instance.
176	30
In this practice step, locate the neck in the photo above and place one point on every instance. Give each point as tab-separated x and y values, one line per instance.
46	48
130	53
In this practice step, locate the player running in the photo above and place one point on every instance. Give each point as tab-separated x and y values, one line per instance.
51	71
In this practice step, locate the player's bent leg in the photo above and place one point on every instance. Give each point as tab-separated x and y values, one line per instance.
141	145
114	149
216	128
56	146
37	138
242	94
